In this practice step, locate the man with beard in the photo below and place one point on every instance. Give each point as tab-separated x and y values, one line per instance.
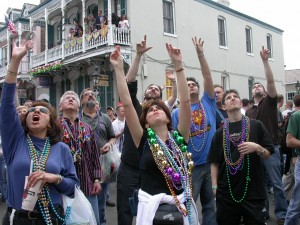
129	170
221	114
104	136
265	110
80	138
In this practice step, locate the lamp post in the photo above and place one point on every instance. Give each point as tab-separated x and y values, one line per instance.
95	77
297	86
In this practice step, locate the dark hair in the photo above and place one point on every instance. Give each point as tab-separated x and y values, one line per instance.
193	79
260	84
279	98
159	103
296	100
251	101
229	92
55	132
160	89
245	102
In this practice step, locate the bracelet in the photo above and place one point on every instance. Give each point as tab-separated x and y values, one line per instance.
60	177
215	187
97	181
200	56
179	70
14	73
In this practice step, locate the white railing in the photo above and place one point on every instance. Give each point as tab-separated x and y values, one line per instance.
54	53
25	27
75	46
96	39
23	69
121	36
3	71
38	59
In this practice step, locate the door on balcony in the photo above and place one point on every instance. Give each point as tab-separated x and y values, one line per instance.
50	36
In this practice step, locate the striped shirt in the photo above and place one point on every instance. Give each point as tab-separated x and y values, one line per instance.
80	138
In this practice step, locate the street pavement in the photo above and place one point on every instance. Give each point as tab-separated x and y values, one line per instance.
111	212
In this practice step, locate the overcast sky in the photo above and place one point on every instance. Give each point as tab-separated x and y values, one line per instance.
282	14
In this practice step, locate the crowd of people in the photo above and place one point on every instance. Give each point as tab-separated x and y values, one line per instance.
93	24
220	148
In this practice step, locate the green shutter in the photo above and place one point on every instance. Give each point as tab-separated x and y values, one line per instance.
50	36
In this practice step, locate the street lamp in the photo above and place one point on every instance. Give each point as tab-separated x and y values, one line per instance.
95	77
297	86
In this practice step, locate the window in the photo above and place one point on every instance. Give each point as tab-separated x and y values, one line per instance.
270	45
250	85
168	85
290	96
168	16
222	32
248	31
225	81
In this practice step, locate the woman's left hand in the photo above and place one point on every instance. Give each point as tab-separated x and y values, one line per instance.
37	176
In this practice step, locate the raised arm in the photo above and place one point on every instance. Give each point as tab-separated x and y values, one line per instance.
184	116
207	79
141	48
271	89
132	119
17	54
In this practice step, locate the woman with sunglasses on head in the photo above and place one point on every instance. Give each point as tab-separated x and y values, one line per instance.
165	163
32	147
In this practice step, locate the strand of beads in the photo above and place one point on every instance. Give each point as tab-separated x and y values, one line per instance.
174	169
246	185
198	132
238	164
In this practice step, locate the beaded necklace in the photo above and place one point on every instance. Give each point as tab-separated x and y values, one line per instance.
75	143
233	167
171	160
197	130
44	199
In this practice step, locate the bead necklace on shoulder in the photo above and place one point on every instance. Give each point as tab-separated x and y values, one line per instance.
44	199
171	159
199	130
75	143
233	167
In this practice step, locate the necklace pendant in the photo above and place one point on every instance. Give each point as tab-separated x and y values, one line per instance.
74	157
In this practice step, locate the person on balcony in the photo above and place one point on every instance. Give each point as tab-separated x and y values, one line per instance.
99	20
71	34
124	24
91	24
78	29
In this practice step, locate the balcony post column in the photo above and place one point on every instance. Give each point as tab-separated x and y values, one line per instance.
46	36
83	25
63	32
20	32
110	33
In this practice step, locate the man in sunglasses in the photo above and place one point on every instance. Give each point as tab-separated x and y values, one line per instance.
104	136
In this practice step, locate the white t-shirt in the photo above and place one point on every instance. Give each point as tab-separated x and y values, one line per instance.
124	24
118	126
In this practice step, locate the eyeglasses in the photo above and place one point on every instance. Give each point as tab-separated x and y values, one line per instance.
42	110
89	93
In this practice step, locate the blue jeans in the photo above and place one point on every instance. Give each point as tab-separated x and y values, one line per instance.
101	203
273	168
93	199
293	213
3	178
201	182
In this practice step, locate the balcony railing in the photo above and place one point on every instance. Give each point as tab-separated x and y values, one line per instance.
75	46
23	70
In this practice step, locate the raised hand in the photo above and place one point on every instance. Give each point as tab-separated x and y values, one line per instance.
116	59
198	43
141	48
170	75
175	55
264	53
18	52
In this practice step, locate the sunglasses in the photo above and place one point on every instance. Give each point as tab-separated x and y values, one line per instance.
42	110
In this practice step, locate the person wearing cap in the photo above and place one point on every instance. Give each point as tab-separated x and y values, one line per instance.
111	113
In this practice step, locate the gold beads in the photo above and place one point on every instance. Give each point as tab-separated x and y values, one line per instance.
191	165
